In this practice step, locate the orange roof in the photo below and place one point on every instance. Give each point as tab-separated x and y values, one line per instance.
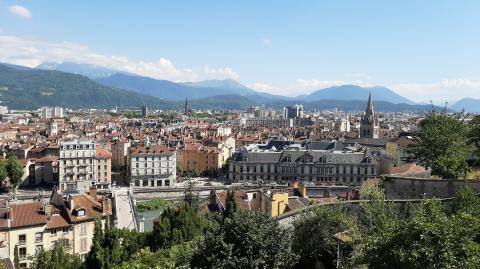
47	159
57	222
30	214
103	153
160	149
409	168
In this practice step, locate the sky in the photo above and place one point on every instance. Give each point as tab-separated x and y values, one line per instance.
424	50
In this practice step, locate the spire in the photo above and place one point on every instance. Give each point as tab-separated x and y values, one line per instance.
369	110
186	106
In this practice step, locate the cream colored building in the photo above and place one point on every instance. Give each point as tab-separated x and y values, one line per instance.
68	221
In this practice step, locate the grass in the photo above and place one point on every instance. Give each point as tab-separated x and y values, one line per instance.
152	205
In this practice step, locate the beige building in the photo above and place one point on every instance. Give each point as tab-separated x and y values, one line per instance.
119	155
104	168
68	221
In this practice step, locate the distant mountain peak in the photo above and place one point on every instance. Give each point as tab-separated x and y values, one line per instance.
88	70
355	92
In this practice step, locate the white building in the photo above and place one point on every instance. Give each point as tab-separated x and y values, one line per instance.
51	112
152	166
77	165
269	122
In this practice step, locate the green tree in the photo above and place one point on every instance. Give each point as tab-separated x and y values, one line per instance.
177	225
443	145
231	206
15	170
313	235
431	239
16	258
246	240
96	257
55	259
3	171
466	201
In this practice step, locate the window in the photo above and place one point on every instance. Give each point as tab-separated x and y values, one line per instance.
159	183
83	244
145	183
83	228
167	182
38	248
53	232
22	239
39	237
65	230
22	253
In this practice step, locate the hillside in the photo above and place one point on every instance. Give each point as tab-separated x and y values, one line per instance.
160	88
468	104
229	85
23	88
353	92
88	70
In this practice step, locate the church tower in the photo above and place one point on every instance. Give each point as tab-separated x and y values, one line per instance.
186	106
369	126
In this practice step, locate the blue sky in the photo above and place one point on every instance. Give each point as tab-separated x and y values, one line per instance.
425	50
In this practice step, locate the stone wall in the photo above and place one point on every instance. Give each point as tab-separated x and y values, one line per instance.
417	188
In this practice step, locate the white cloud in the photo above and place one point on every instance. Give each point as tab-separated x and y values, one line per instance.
32	52
444	90
20	11
263	87
221	72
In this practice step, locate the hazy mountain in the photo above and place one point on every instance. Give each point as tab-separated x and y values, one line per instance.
467	104
353	92
170	90
88	70
26	88
228	85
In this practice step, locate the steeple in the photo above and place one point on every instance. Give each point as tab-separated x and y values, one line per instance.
369	110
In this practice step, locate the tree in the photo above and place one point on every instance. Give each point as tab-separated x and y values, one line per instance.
431	239
442	145
3	171
96	257
231	206
16	258
177	225
466	201
15	170
245	240
313	235
55	259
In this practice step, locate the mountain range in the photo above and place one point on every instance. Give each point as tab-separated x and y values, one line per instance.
82	85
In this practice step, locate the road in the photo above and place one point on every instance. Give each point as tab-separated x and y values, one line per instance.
124	215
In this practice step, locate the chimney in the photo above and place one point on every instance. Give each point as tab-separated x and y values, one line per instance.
71	202
93	192
105	205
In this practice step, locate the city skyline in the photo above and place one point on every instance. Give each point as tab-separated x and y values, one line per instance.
423	51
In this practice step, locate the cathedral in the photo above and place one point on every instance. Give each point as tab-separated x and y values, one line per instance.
369	126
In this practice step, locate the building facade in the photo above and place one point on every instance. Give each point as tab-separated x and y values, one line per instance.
104	168
329	162
152	166
77	165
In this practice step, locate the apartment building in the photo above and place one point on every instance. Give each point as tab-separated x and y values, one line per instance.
104	168
68	221
77	165
119	155
152	166
269	122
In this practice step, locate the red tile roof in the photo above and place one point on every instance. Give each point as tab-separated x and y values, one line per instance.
30	214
